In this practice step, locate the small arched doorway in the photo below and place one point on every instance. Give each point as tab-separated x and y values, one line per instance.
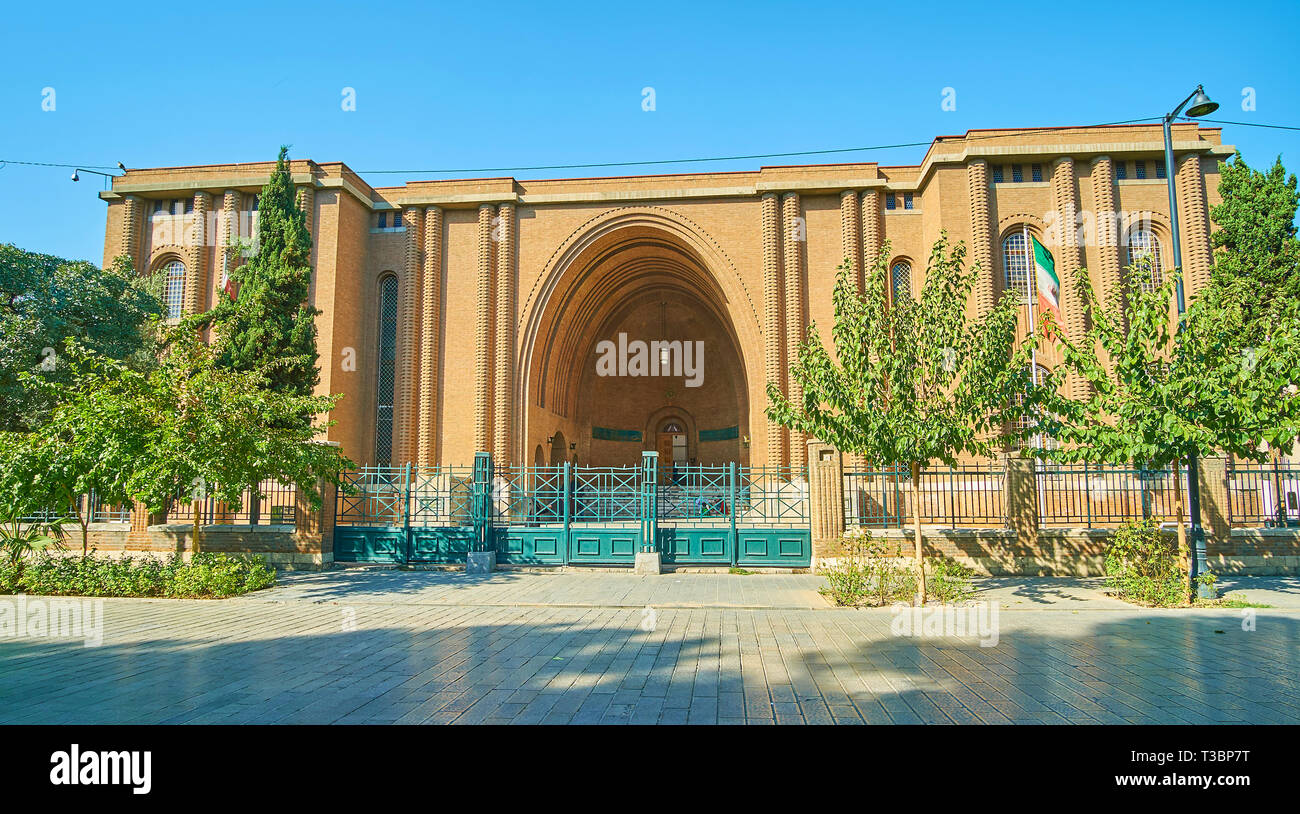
559	446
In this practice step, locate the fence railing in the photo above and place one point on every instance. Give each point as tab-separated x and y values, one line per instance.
963	496
270	503
90	505
1095	496
537	495
1265	495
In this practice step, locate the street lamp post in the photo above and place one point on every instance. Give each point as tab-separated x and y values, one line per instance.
1200	106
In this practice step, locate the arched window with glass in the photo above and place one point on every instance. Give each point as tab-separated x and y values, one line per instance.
1144	255
900	279
174	289
1016	264
386	377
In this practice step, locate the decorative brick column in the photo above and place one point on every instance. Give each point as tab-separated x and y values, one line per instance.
1065	197
229	231
307	203
981	234
430	326
1020	503
825	500
504	339
483	333
196	255
129	244
851	235
794	233
873	233
406	411
141	520
1195	227
1216	514
773	306
1107	226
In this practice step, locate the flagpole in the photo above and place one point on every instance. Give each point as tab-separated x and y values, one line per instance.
1031	269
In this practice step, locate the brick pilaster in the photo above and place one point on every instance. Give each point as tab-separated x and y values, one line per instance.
1020	502
196	251
1216	516
773	306
483	333
132	212
1065	198
406	412
430	324
1195	226
981	234
794	233
851	235
504	340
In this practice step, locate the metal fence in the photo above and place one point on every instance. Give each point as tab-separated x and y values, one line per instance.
270	503
1263	495
963	496
89	504
1095	496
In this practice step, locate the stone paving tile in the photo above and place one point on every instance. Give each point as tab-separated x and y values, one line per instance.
471	657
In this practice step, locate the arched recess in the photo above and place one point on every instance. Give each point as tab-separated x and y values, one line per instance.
614	270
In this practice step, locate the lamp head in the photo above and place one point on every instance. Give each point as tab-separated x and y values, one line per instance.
75	177
1201	105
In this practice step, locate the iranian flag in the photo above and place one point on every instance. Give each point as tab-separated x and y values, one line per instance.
1046	281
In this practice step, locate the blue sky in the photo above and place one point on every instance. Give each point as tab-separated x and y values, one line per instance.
500	84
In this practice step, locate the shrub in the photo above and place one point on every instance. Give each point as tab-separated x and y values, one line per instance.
949	580
204	576
9	574
1142	565
867	574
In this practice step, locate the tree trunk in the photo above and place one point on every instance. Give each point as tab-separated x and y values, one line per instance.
1184	555
196	535
916	531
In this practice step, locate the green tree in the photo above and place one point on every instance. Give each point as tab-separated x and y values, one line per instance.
914	383
90	443
1172	389
214	431
1256	271
46	301
270	328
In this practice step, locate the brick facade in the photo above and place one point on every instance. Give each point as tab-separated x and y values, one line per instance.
507	286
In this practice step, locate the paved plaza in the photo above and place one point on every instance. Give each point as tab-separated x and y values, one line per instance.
386	646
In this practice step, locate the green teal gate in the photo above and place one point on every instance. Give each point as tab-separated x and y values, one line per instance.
724	515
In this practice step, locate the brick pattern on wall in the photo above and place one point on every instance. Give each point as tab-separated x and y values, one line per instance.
129	244
981	230
1065	200
773	305
196	255
1108	252
851	235
872	230
430	337
406	408
504	341
483	332
793	232
1189	186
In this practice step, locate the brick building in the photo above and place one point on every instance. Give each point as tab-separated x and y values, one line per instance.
464	315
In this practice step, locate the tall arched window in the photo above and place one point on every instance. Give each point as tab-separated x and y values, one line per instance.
1016	265
387	375
900	278
174	288
1144	254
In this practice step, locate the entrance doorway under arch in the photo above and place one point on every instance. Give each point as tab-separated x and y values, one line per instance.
636	332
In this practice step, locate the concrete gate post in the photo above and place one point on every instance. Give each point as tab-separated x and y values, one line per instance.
1216	512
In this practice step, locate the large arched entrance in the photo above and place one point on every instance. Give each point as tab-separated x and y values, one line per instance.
632	344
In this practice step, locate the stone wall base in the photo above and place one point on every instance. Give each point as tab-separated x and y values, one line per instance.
1063	552
282	546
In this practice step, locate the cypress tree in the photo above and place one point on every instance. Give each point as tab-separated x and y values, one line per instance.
271	327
